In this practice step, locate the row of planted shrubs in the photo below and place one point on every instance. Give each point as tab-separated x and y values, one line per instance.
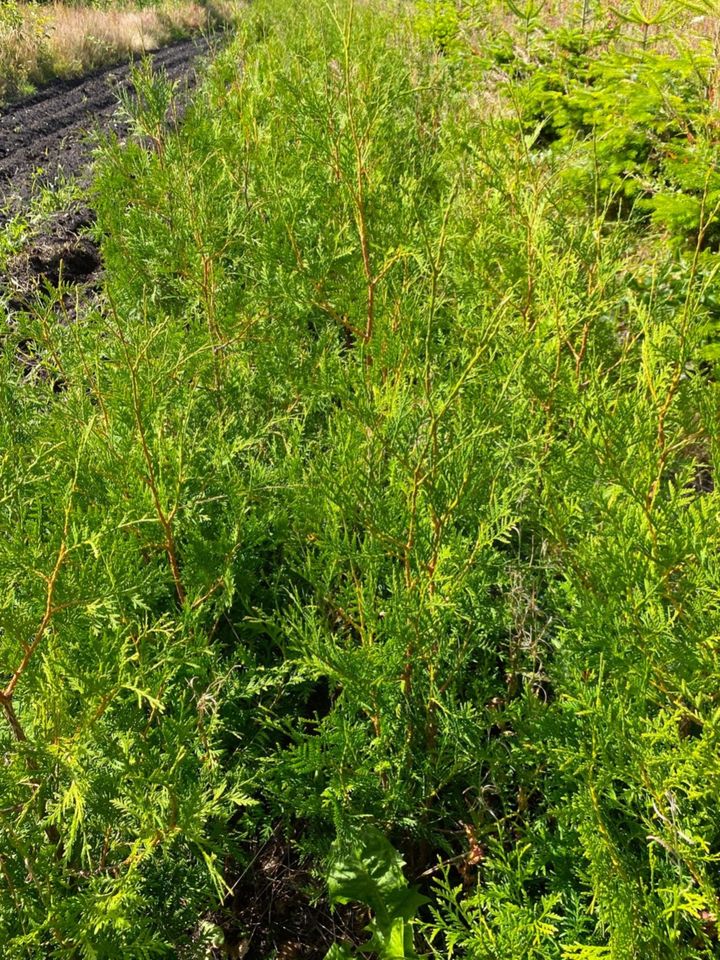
373	504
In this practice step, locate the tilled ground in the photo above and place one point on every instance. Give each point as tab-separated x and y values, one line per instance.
48	131
62	251
46	136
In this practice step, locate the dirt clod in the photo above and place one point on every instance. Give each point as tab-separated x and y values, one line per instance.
62	251
73	261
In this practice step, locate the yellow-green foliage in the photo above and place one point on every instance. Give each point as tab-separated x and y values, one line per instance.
377	491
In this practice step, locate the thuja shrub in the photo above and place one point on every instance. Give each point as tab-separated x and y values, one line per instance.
110	672
371	496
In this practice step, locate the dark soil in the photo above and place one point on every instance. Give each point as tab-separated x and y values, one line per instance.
275	910
62	252
47	131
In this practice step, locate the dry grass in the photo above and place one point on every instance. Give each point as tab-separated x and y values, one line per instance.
40	43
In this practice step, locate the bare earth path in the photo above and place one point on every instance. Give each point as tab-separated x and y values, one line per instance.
48	129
